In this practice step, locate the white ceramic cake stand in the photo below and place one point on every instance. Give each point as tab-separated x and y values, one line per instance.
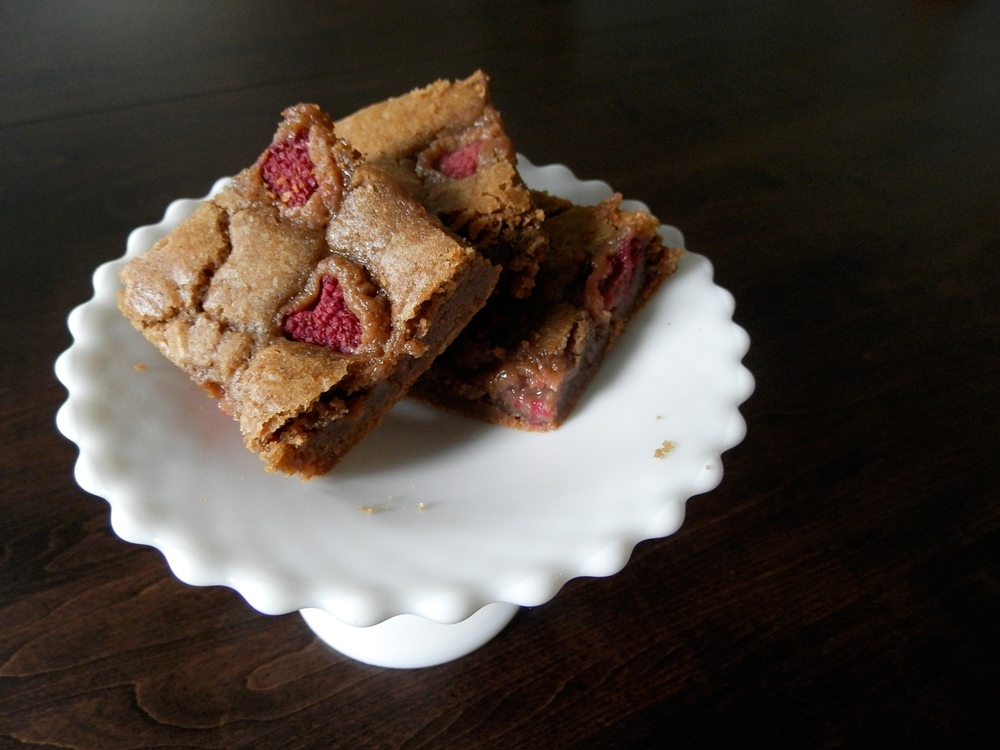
434	531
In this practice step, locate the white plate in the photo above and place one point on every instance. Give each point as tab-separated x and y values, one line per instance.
432	514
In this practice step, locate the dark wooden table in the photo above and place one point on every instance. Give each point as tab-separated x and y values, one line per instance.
839	163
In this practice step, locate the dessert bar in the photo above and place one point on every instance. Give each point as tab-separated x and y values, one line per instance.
307	296
525	363
445	143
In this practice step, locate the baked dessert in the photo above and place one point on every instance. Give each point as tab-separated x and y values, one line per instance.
307	296
446	144
525	363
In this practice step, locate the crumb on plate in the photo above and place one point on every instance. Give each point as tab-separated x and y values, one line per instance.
663	450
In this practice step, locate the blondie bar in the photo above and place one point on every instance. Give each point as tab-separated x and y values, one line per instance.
525	363
307	296
446	144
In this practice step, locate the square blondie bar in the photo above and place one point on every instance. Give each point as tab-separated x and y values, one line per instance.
446	144
525	363
307	296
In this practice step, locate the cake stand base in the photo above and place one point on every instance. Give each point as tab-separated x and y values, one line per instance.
409	641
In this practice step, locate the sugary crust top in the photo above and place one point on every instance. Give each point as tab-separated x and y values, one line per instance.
243	255
400	126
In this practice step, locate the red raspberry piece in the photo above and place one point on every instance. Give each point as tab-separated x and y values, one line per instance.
287	170
534	404
539	412
617	281
460	163
329	323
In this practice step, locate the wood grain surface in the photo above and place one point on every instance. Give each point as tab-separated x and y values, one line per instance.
839	163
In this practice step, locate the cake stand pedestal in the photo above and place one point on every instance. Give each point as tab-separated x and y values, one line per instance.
410	641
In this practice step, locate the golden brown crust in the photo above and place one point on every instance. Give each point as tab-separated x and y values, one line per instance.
216	294
402	126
